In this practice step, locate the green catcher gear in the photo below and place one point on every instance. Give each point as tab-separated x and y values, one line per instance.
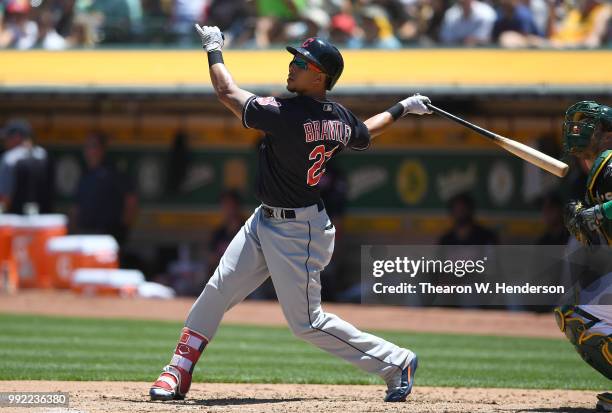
581	122
582	222
594	348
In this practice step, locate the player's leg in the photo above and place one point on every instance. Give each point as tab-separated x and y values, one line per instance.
241	269
296	252
590	335
589	329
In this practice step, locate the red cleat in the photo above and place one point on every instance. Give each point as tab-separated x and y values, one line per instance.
173	384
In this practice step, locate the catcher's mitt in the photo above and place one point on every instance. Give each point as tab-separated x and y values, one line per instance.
582	222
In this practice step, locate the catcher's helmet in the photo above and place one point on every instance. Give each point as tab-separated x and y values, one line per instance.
580	124
322	54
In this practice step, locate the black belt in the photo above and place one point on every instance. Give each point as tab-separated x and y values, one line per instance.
287	213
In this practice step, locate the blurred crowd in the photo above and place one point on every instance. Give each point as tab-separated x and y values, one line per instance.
385	24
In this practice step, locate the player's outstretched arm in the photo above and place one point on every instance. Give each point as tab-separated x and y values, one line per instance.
415	104
227	91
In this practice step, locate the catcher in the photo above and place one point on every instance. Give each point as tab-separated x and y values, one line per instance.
587	134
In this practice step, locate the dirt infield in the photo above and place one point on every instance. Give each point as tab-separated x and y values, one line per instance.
108	397
105	397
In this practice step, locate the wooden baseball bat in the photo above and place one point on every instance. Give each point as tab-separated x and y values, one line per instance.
531	155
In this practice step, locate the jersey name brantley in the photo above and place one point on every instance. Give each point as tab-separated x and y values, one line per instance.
327	130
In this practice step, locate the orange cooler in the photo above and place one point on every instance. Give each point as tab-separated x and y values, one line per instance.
29	247
71	252
7	227
9	279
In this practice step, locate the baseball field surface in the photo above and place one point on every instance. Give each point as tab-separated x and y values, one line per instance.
105	352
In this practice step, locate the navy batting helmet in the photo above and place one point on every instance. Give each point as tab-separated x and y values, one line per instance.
322	54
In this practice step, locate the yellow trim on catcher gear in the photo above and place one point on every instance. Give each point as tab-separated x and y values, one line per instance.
584	338
567	320
578	332
591	184
605	349
561	318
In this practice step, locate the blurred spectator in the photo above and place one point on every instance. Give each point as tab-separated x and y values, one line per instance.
185	275
185	14
555	232
272	15
585	25
317	22
466	239
231	221
136	15
26	175
514	22
105	199
465	230
343	29
179	162
540	11
83	33
233	17
377	30
63	14
312	19
119	21
67	24
430	17
2	18
48	37
156	21
406	18
18	30
468	23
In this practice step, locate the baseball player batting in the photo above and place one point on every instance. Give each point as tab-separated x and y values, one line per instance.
289	237
587	133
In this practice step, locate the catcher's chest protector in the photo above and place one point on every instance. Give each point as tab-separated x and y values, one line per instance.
599	188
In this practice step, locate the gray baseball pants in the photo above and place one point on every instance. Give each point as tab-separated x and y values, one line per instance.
293	252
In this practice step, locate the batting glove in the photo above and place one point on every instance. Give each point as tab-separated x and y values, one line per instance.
582	222
212	38
415	104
